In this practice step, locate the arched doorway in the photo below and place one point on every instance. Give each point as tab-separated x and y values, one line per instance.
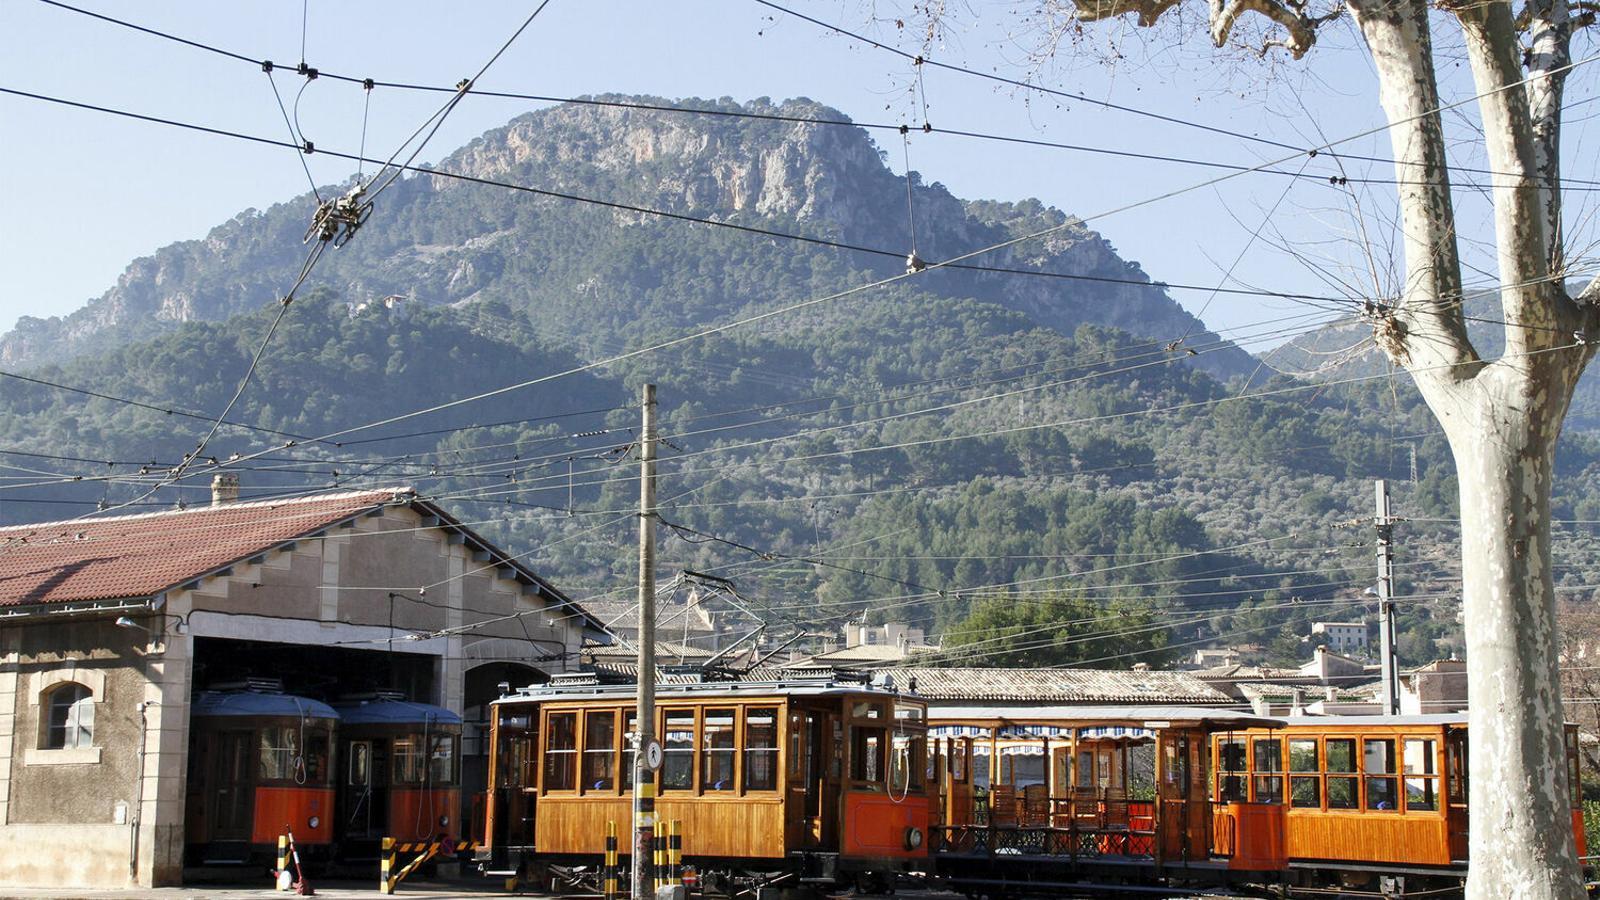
482	687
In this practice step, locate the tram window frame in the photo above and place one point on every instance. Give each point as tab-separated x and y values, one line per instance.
593	779
1348	778
1574	772
674	758
756	757
1266	770
869	749
407	766
1421	751
551	779
277	748
1233	770
1455	766
1304	774
1386	780
625	748
712	757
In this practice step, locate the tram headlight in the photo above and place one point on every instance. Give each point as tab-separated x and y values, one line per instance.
913	838
444	821
314	821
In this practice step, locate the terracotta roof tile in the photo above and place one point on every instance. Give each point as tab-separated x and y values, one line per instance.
143	555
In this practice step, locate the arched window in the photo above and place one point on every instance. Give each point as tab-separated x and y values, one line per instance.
71	722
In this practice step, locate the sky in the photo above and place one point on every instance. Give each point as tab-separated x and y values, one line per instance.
82	194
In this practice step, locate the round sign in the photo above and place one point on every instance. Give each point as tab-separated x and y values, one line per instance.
652	755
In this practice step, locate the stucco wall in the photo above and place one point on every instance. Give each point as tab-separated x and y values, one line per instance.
77	787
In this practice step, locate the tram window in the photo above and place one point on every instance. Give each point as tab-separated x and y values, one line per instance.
1305	790
865	709
442	759
1422	773
866	755
1455	765
1232	764
1177	763
599	750
1085	768
279	751
760	749
797	724
316	761
1269	759
1341	758
718	743
1377	761
560	752
408	760
677	767
360	759
630	739
900	764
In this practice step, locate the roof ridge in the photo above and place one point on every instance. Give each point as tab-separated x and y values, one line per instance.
392	492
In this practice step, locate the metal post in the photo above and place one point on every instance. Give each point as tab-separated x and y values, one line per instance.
1385	527
611	862
675	853
644	777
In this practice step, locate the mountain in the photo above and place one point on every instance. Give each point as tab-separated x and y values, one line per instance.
898	453
598	276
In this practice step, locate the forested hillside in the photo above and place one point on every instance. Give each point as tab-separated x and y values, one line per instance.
956	440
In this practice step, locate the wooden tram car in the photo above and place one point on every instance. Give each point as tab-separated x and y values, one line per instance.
807	780
832	780
258	760
400	772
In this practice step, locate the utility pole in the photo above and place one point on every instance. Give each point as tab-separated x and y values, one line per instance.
647	753
1384	523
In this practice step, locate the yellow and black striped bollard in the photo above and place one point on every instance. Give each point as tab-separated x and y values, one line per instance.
283	862
659	845
612	870
386	863
675	853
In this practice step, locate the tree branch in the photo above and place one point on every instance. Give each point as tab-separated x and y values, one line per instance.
1426	331
1549	29
1532	302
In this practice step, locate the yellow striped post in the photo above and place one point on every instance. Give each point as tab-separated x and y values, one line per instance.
385	863
675	853
612	870
659	856
283	862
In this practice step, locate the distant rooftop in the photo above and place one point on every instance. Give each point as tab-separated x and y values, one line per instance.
1060	685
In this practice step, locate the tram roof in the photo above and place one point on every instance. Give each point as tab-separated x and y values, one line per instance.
1144	716
255	703
386	711
1358	721
789	687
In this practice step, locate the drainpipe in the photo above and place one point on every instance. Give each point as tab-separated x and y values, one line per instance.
138	790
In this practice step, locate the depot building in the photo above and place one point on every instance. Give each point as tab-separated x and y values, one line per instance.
114	631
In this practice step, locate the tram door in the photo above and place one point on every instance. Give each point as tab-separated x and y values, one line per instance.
821	757
1183	816
233	790
365	800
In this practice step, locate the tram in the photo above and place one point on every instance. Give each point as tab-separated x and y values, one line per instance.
400	775
259	759
811	780
829	780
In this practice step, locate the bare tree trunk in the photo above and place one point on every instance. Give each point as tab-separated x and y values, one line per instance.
1504	440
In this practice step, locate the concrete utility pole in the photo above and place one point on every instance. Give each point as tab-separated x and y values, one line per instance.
647	753
1385	526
